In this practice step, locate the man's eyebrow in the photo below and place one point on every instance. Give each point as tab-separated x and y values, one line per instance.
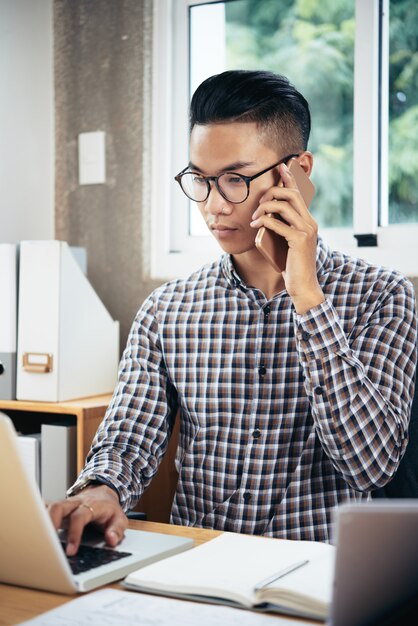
237	165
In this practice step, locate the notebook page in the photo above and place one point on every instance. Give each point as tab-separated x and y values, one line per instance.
228	566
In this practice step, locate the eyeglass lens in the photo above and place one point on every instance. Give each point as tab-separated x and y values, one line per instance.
233	187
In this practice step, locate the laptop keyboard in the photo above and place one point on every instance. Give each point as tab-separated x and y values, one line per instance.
89	557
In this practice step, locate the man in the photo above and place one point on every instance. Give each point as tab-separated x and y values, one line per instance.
294	388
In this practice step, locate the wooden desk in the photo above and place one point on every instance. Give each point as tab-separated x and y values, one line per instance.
18	604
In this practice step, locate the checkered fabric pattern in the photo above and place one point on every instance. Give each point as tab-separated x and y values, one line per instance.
282	416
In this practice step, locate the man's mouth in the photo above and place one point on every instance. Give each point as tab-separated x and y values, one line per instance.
223	231
221	228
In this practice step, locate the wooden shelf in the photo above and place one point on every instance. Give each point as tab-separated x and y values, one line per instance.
88	413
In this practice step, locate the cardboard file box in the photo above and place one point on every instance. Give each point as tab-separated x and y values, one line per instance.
68	344
8	309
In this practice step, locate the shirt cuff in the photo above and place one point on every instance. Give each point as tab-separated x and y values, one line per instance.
92	481
319	331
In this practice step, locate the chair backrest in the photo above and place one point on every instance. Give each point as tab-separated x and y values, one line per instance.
404	483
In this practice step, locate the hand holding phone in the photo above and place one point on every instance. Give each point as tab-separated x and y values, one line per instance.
272	246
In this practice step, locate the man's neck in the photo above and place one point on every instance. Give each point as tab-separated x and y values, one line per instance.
256	272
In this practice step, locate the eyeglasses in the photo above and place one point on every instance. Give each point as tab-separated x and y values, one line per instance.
233	187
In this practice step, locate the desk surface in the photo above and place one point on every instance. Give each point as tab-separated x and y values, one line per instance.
18	604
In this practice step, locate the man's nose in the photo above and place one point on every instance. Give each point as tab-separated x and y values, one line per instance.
215	202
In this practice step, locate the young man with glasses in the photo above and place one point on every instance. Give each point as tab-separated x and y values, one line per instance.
293	388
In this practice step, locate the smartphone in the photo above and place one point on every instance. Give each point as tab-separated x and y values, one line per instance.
272	246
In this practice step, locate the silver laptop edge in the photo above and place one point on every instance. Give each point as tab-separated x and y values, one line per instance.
376	568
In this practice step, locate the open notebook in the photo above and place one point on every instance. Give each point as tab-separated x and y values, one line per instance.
31	553
229	568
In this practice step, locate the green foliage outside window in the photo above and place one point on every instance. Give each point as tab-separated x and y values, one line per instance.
403	111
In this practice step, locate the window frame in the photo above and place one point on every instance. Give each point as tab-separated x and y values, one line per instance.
173	252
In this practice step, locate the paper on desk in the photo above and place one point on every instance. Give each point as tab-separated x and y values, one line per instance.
111	607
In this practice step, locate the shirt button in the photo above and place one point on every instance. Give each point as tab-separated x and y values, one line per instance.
319	391
247	496
262	371
305	335
267	310
257	433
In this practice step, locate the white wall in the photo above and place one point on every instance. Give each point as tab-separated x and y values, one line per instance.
26	120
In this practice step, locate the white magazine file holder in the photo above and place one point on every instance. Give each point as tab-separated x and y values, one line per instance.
68	344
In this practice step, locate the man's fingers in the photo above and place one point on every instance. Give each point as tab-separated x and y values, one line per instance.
115	531
98	504
78	514
114	535
58	511
80	517
284	194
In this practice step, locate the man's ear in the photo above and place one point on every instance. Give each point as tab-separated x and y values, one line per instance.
306	161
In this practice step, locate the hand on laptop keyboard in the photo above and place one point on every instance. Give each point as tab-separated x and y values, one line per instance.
98	504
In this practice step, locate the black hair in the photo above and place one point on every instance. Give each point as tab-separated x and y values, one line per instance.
268	99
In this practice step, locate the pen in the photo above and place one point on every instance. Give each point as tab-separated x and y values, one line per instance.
280	574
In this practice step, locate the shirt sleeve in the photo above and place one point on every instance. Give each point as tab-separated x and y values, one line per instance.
361	386
135	431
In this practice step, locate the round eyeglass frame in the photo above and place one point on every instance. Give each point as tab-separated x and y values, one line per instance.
215	179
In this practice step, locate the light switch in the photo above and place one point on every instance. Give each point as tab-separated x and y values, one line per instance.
92	158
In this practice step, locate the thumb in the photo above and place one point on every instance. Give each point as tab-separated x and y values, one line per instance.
113	537
114	533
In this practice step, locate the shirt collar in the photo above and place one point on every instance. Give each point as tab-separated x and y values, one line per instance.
230	272
323	262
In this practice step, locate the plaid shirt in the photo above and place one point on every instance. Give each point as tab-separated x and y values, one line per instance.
282	416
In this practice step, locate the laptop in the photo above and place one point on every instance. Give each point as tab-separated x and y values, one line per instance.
31	552
376	568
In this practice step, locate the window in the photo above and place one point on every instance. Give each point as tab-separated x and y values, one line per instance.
350	61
